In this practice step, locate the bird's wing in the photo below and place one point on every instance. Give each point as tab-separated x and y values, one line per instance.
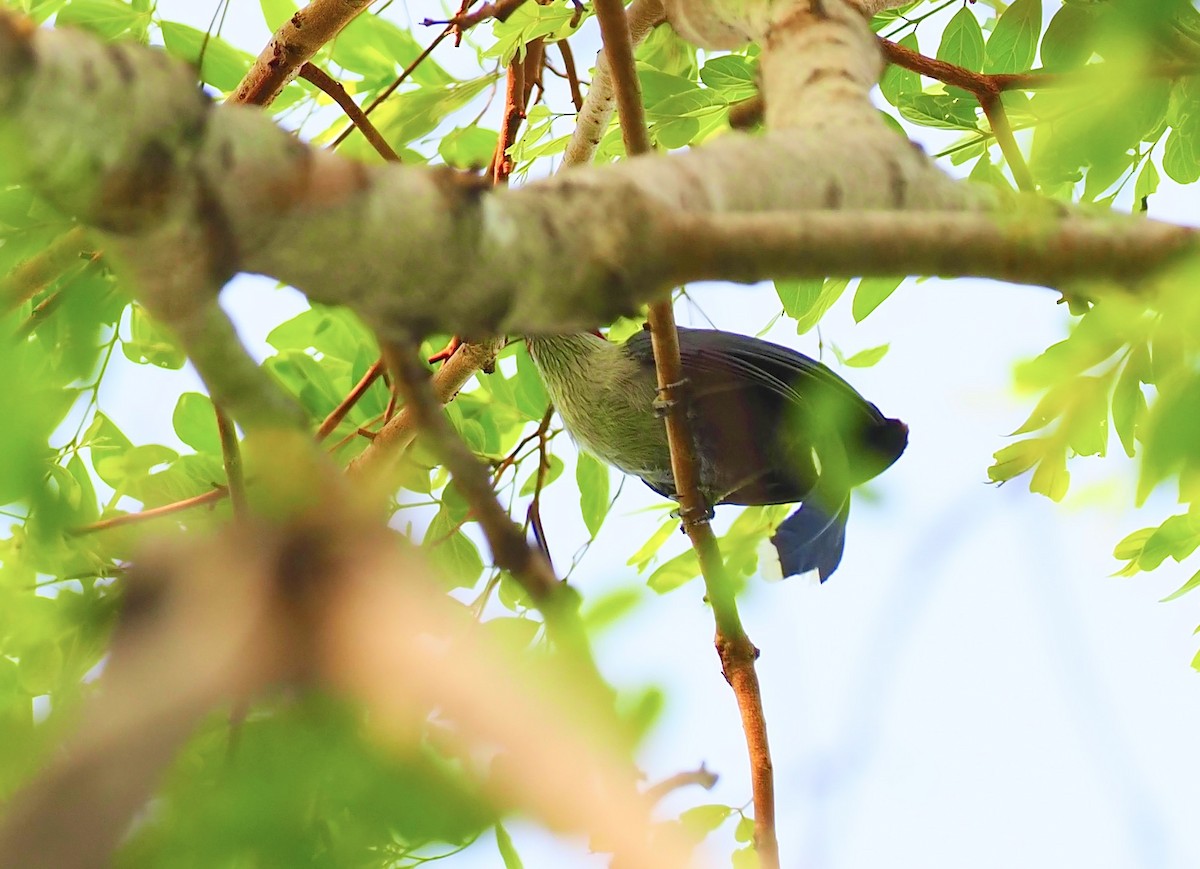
742	360
775	382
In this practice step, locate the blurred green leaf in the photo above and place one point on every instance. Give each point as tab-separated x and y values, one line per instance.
220	64
591	475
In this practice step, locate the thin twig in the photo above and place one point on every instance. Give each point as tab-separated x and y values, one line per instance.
618	49
295	42
499	10
514	112
509	549
387	91
152	513
33	275
701	777
334	89
985	88
736	651
997	117
231	456
572	73
355	395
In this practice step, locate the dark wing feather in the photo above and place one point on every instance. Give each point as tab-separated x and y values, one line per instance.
751	386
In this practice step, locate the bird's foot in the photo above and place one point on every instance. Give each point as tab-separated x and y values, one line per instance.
691	518
664	398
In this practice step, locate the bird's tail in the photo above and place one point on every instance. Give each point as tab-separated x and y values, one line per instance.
812	538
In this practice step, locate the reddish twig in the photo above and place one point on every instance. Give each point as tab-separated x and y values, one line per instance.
153	513
618	49
701	777
985	88
334	89
535	63
500	10
564	48
736	651
335	417
400	79
514	113
446	352
296	41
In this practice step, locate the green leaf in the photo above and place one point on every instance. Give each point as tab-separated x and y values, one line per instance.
657	87
1131	546
591	475
469	148
553	470
942	111
1051	477
452	551
1016	459
508	852
530	21
1087	422
664	50
702	820
1184	589
150	344
1177	538
410	115
744	831
681	569
807	301
870	294
732	74
376	48
1013	44
223	65
867	358
105	441
648	549
1181	155
746	858
898	81
195	423
962	41
528	389
607	609
1128	400
1067	40
1147	181
106	18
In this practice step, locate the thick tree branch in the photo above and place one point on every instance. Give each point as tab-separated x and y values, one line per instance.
292	46
1031	246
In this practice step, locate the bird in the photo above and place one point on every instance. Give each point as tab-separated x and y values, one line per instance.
770	425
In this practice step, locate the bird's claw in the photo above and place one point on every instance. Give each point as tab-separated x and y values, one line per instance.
663	402
691	518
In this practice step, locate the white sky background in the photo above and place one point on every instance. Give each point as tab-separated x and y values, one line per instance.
972	688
